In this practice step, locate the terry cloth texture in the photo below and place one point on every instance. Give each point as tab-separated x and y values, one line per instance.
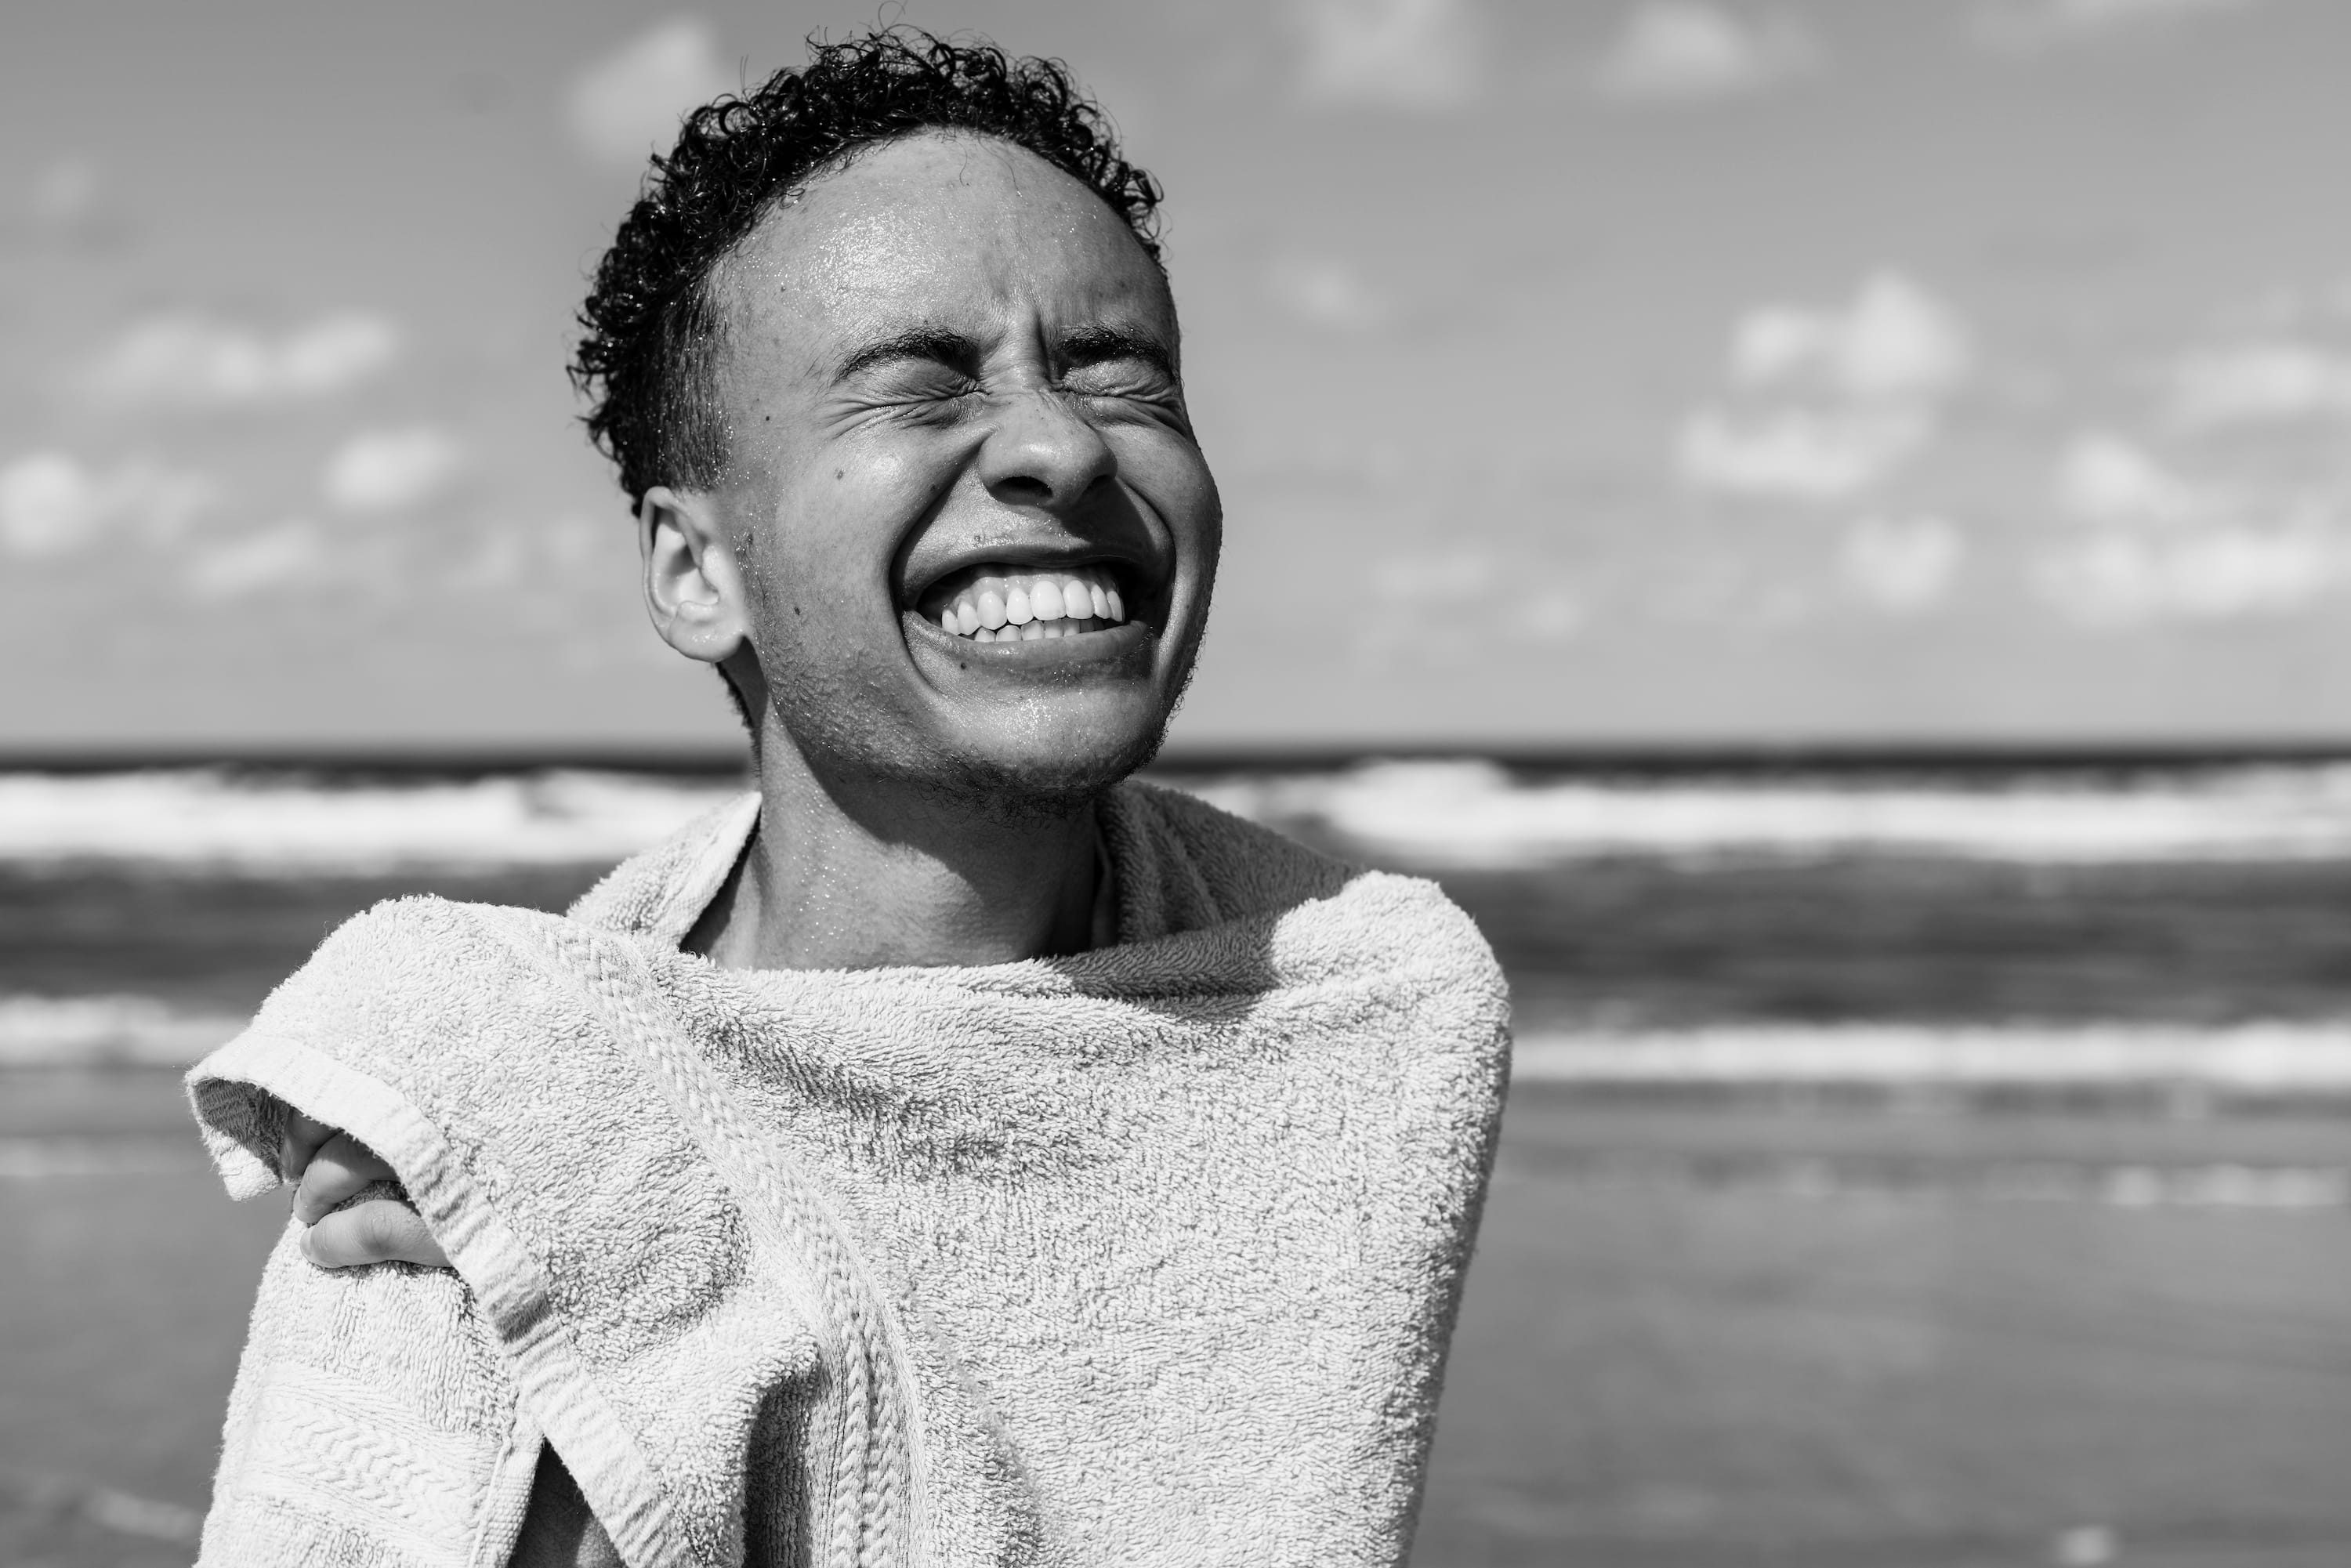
1146	1256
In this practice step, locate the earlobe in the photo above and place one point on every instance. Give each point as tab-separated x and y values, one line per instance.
694	587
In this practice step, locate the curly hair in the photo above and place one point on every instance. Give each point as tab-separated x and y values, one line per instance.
650	323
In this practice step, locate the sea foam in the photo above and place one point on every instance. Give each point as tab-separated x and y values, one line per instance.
1467	815
109	1030
1475	815
296	824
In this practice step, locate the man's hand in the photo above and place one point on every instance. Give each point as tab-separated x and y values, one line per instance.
330	1168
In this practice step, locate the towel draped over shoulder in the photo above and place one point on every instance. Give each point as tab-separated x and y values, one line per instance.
1149	1255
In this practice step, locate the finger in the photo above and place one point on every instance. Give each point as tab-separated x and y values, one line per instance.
337	1172
302	1138
380	1230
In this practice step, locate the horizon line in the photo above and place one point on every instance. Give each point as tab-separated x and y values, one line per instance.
1590	756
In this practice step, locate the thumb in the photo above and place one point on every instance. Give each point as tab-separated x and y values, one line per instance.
378	1230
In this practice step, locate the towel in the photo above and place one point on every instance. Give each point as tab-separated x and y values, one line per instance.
1149	1255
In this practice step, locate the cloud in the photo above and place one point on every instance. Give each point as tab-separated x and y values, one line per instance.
1329	295
52	504
2259	383
2227	572
285	556
1682	51
192	359
1418	56
1831	399
2033	25
388	470
1798	453
1901	565
1894	339
2154	544
2105	479
628	105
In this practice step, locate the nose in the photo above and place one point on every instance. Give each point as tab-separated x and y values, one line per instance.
1041	454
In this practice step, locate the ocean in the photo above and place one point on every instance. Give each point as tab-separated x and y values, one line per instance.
1903	1164
2190	916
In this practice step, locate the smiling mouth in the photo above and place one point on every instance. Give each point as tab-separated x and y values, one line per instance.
995	603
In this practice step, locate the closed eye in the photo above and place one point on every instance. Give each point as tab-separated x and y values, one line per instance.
1102	363
916	381
1121	379
1091	348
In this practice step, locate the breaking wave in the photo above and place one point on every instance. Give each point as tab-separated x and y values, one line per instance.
1478	815
114	1031
2248	1059
295	824
1466	814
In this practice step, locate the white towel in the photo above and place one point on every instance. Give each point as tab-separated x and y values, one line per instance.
1149	1255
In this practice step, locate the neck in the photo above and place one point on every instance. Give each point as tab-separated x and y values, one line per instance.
843	876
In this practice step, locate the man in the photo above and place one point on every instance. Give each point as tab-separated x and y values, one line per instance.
955	1155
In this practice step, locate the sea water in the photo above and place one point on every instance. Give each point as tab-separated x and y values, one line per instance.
2178	924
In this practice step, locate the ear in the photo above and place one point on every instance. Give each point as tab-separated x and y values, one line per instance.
693	585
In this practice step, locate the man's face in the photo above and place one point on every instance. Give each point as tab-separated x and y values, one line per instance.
977	535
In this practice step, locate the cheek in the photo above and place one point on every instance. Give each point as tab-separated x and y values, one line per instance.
1210	521
857	505
821	570
1173	476
1183	493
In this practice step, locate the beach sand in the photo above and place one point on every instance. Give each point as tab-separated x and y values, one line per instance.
1695	1335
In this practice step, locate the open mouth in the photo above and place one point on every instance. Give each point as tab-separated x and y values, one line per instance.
997	603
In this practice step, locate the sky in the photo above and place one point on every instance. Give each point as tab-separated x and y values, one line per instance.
1576	374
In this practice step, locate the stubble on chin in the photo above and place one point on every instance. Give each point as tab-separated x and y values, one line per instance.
1036	794
860	745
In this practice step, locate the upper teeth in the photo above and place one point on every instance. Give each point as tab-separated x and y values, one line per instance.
996	607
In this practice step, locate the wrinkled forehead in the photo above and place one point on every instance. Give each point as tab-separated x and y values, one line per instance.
951	231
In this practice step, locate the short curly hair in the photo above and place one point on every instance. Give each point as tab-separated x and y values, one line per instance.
650	323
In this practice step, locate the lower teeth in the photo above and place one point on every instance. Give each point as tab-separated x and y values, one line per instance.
1037	631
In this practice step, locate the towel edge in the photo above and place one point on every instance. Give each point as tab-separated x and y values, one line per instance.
508	1285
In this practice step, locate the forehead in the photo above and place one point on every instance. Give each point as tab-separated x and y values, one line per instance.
946	230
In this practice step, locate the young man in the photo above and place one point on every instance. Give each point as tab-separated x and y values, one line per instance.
952	1154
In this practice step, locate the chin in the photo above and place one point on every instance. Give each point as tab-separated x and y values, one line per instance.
1010	745
1039	784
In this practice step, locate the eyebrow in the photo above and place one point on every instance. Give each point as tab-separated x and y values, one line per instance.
1098	345
941	347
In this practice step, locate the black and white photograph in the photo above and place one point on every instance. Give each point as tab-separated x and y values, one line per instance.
1677	893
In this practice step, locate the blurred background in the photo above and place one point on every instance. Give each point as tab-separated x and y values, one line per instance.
1826	523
